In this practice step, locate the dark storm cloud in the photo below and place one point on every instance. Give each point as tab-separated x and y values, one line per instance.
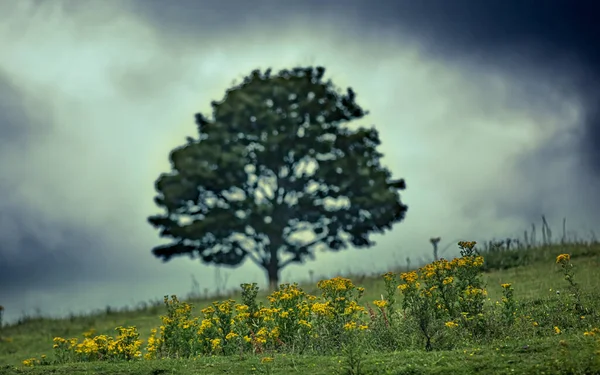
551	29
35	250
29	259
555	39
23	248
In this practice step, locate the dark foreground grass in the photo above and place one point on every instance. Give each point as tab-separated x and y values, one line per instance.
535	286
546	356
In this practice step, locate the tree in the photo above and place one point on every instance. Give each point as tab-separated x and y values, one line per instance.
274	175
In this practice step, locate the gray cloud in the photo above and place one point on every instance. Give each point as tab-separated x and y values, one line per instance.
94	97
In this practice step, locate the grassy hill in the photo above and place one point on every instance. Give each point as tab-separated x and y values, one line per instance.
544	326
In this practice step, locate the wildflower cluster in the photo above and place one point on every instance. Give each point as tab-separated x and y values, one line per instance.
126	346
291	319
292	315
445	291
177	333
30	362
340	312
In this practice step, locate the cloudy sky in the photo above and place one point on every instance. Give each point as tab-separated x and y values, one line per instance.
488	109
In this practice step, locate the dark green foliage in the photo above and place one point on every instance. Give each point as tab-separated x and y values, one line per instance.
275	160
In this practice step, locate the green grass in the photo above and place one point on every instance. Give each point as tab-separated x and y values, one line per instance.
535	283
538	359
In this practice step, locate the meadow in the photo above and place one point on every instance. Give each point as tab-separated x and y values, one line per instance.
527	310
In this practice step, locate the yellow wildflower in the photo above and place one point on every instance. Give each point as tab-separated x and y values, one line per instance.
29	362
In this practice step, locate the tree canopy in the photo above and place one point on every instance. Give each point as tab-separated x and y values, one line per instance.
274	174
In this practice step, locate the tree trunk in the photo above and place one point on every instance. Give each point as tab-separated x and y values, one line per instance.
273	269
273	275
